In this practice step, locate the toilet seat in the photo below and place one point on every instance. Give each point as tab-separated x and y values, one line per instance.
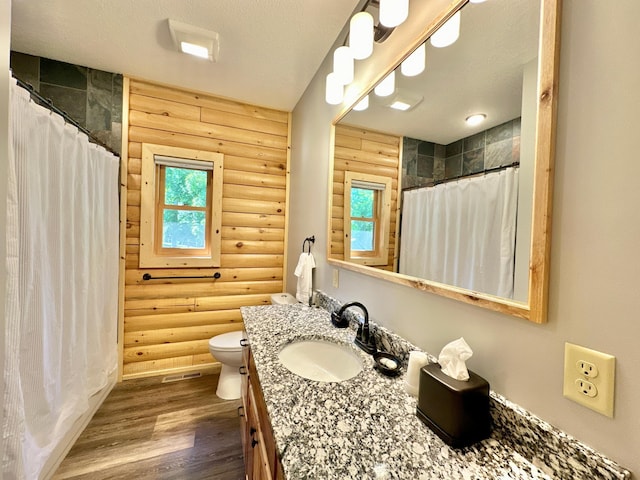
227	342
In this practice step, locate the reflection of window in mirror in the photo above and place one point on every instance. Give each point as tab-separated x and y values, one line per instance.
367	207
180	209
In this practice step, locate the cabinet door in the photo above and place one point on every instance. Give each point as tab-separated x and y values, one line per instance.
261	465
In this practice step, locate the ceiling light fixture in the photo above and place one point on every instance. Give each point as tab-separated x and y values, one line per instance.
448	33
334	90
393	12
195	40
361	35
414	64
362	104
343	65
477	1
387	86
475	119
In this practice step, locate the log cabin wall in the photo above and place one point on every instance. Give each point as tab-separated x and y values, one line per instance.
166	324
364	151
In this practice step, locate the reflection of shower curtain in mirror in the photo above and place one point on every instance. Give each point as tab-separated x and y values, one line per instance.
463	233
62	282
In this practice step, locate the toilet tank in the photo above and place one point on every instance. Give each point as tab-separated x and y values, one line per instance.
283	299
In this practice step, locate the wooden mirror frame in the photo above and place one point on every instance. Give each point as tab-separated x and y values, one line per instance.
535	309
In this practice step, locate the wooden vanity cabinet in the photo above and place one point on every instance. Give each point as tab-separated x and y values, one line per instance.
260	458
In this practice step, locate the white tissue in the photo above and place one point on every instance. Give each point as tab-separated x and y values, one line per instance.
453	357
417	360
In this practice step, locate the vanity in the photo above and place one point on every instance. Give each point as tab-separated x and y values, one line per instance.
366	427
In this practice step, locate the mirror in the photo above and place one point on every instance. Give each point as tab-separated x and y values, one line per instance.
503	65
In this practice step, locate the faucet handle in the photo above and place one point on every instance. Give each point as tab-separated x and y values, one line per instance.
339	321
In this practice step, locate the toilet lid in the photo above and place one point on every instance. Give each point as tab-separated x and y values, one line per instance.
227	341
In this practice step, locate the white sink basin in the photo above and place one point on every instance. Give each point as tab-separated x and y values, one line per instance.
320	360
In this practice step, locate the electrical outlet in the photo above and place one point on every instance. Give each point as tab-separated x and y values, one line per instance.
588	369
586	387
589	378
336	278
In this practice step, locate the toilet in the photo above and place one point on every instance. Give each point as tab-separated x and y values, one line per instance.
227	350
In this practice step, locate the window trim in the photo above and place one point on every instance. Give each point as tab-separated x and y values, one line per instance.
380	255
149	204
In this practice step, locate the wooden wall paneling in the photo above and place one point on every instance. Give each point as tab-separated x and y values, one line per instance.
251	260
124	225
167	323
231	301
193	141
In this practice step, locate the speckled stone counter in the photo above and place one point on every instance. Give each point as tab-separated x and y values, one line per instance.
366	427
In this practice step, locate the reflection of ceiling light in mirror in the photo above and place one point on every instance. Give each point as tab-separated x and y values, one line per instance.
475	119
334	90
362	104
400	105
195	40
448	33
343	65
393	12
477	1
414	64
361	35
387	86
403	100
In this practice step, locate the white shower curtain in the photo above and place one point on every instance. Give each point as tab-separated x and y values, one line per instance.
463	233
62	287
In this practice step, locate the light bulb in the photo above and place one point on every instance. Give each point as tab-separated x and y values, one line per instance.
362	104
393	12
387	86
334	90
343	65
361	35
448	33
414	64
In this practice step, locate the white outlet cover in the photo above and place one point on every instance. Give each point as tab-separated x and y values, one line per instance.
604	382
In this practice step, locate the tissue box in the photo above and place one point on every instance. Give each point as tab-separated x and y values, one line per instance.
457	411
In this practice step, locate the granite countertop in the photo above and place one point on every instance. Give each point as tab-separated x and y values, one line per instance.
361	428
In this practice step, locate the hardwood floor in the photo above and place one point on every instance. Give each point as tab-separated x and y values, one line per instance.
147	429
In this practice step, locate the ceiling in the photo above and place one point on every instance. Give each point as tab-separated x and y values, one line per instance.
269	49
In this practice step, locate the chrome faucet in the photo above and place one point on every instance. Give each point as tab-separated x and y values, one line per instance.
364	337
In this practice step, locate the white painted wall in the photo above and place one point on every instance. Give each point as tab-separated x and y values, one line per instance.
5	40
595	259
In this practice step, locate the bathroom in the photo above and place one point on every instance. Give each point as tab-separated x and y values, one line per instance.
593	254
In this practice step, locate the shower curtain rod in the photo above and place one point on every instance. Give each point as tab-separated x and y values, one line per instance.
47	103
452	179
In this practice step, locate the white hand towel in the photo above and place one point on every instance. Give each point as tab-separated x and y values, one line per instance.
303	271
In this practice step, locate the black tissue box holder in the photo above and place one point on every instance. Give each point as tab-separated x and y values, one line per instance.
457	411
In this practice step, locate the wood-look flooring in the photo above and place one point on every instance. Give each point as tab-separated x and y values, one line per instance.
147	429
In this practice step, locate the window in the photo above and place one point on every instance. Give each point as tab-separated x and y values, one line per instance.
367	217
180	208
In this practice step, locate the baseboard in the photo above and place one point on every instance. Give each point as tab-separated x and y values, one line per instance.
205	369
60	452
